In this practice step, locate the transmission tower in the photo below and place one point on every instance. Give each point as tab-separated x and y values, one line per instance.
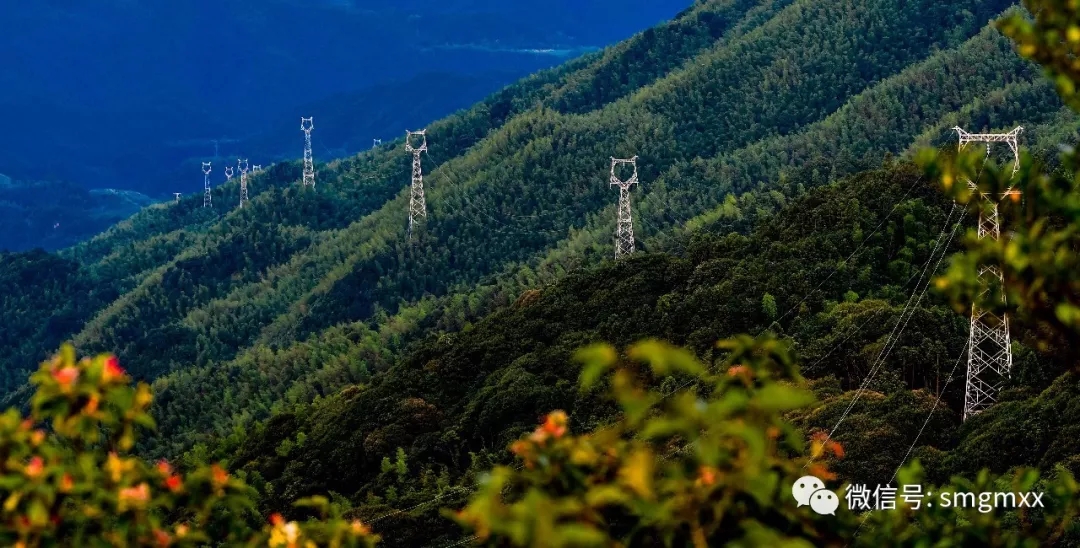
306	125
256	169
417	205
989	345
228	173
624	231
243	166
177	194
375	143
206	200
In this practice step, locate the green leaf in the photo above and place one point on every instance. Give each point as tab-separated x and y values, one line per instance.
596	361
778	398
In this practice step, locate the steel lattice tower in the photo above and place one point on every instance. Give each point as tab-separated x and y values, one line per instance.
306	125
624	231
417	205
229	173
177	194
989	343
242	165
375	143
207	201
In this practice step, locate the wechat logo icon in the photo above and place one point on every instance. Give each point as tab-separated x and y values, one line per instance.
809	490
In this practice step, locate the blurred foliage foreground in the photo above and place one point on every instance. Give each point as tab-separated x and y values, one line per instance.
710	465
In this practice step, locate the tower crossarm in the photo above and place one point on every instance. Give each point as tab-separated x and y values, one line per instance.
1011	138
409	140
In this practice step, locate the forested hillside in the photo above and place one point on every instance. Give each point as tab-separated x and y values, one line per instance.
305	338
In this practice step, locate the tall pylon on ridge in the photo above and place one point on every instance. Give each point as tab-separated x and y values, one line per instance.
306	125
375	143
229	173
242	165
624	230
207	201
417	205
177	194
989	343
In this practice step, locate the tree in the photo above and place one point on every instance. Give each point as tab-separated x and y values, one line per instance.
68	478
1039	248
768	306
713	469
715	466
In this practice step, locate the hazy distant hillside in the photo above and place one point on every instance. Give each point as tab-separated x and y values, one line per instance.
54	215
99	90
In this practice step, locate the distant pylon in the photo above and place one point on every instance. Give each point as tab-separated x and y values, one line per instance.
256	169
306	125
229	173
243	166
177	194
207	201
417	205
624	230
375	142
989	343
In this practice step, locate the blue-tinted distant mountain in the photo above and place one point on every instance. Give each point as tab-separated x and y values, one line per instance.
52	215
95	91
345	123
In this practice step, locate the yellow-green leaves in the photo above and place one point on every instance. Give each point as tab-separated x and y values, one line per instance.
596	360
77	485
676	469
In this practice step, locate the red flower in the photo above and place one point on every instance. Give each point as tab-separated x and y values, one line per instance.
276	519
66	376
707	475
66	483
555	423
219	475
162	538
35	467
112	369
174	483
164	467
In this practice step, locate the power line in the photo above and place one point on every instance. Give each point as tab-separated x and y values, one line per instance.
897	332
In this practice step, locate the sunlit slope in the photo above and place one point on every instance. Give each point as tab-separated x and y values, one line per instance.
489	234
550	168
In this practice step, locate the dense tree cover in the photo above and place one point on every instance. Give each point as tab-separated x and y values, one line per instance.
739	112
718	466
510	175
45	298
497	211
837	268
198	287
